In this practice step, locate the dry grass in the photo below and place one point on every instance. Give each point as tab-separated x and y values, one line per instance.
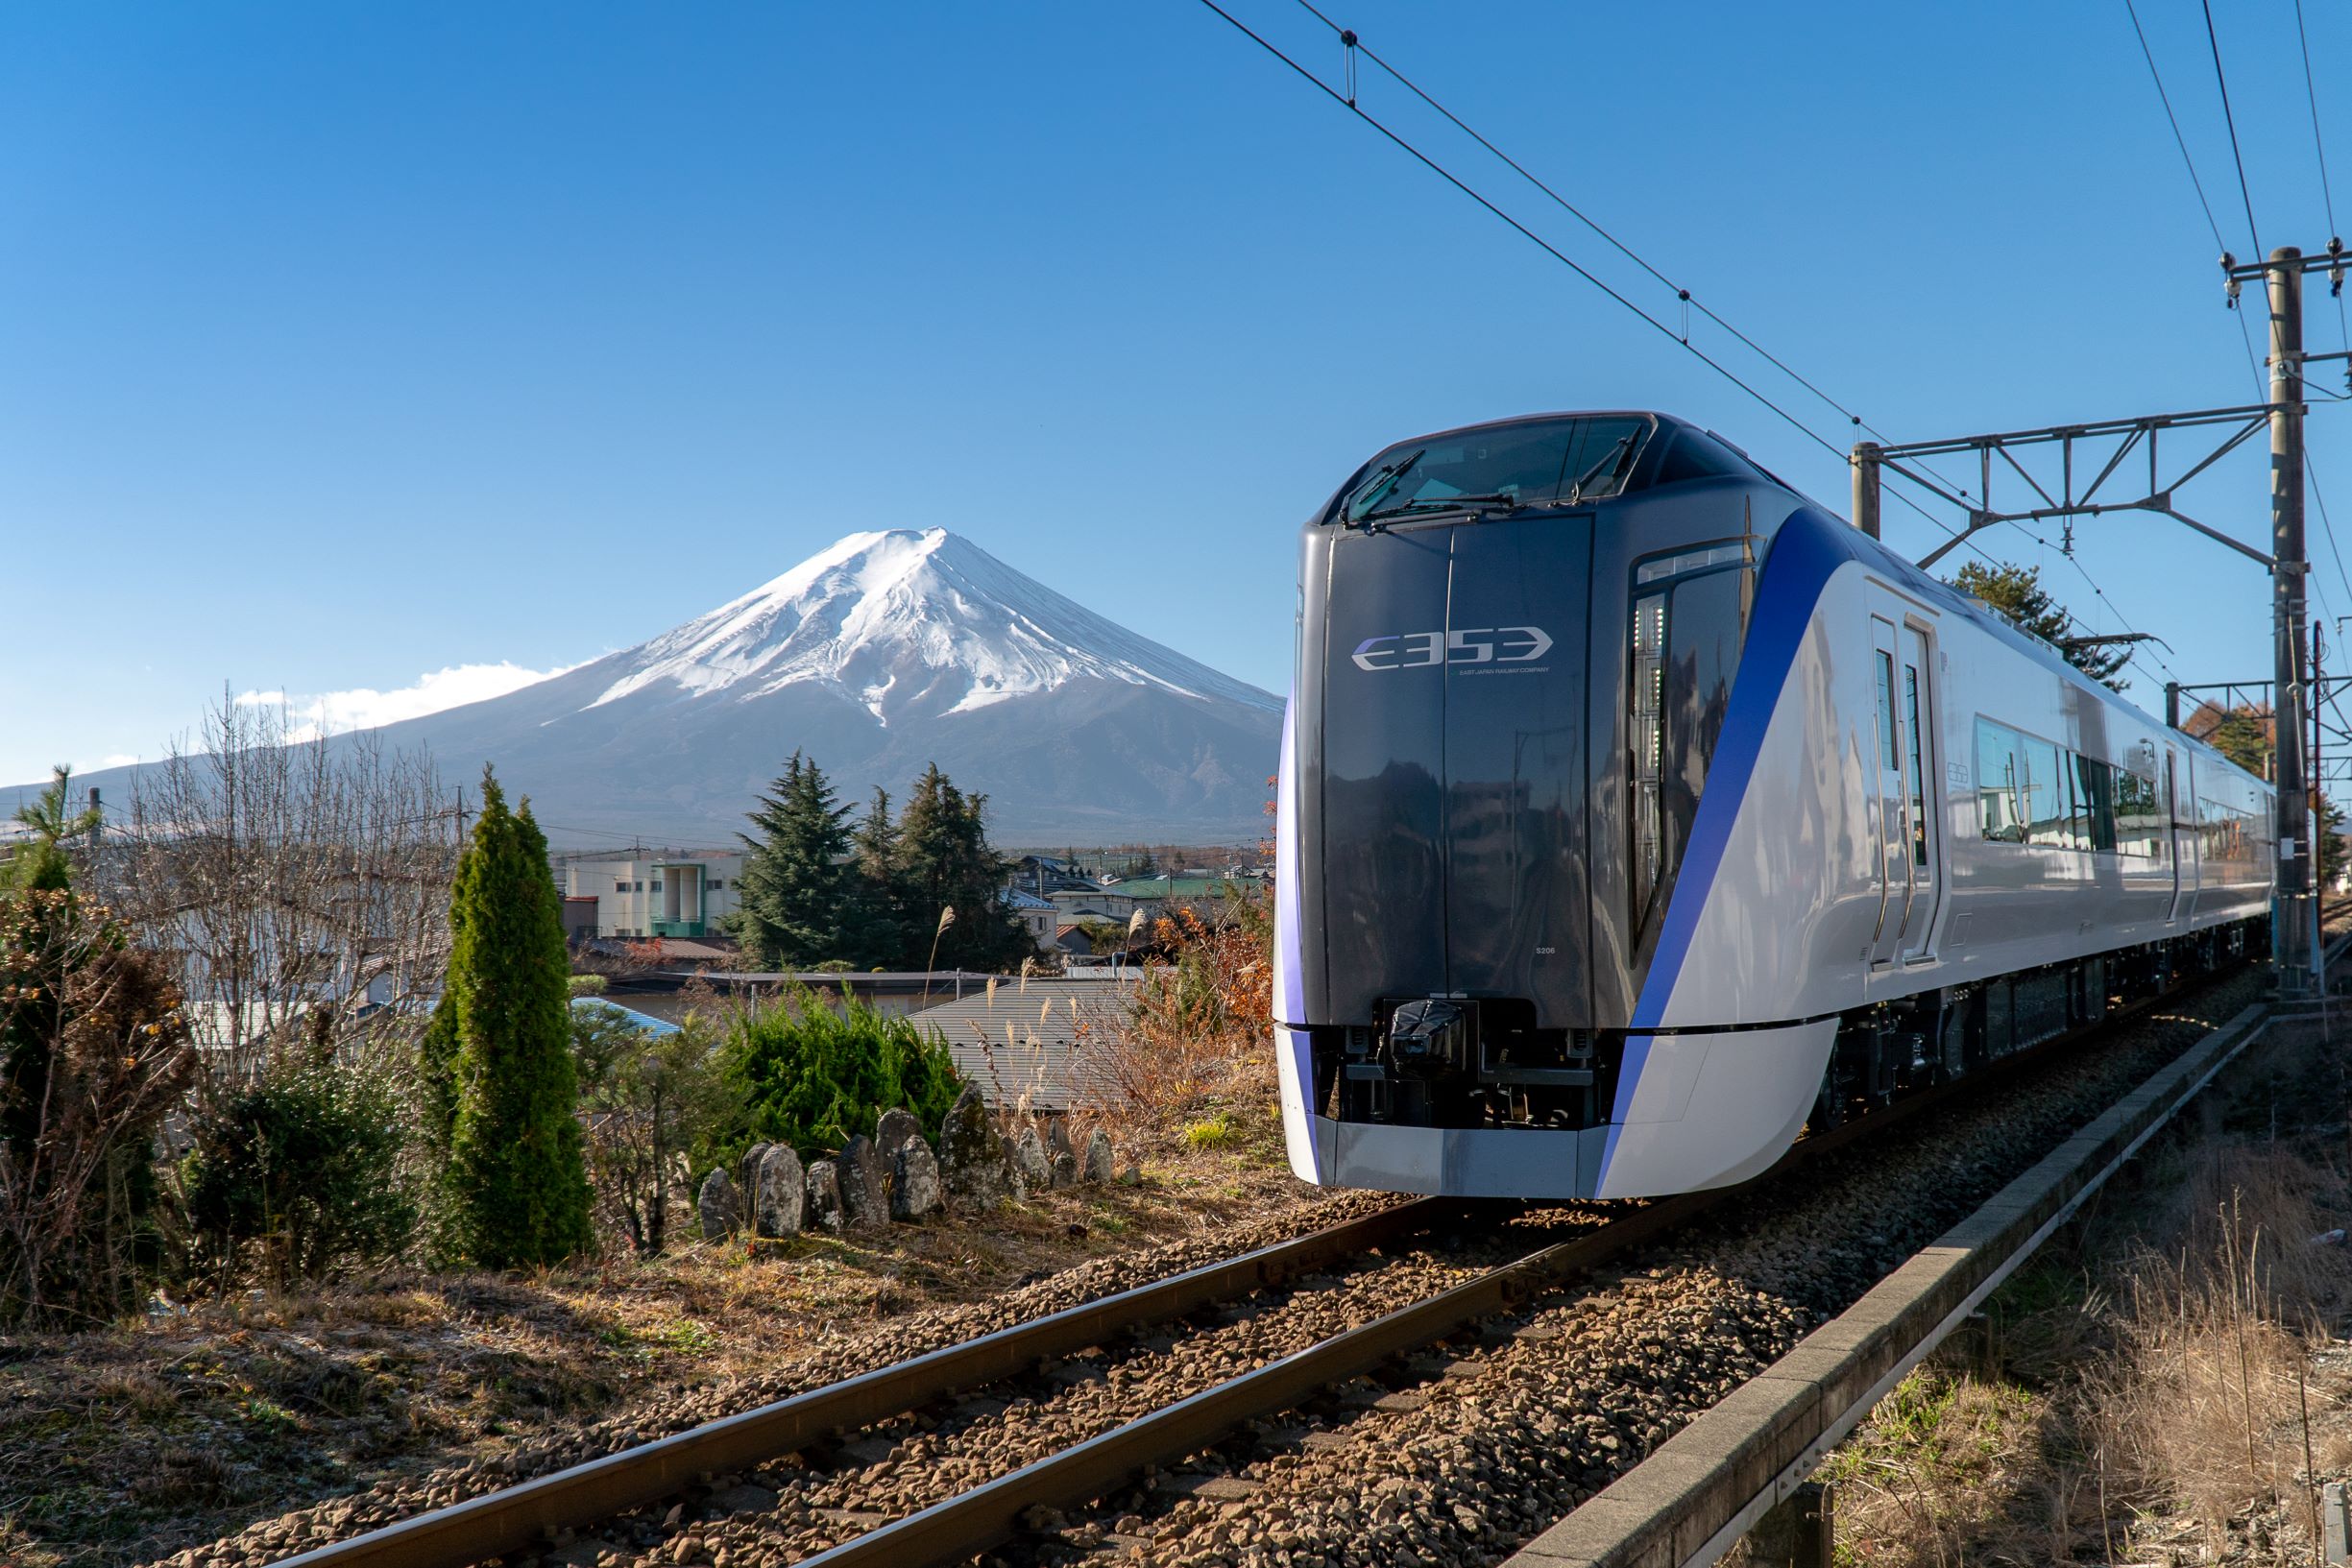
122	1445
2138	1393
2200	1408
1196	1038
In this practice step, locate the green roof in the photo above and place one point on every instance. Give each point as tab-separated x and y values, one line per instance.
1170	887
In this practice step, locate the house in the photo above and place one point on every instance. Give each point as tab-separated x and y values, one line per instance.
682	894
1046	875
1092	902
1204	896
1038	916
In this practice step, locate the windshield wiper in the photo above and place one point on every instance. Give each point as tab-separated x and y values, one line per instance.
1442	504
1377	486
1614	460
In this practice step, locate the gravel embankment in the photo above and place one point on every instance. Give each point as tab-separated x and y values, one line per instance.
835	1357
1521	1433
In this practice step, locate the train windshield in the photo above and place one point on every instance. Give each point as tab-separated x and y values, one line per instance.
1537	463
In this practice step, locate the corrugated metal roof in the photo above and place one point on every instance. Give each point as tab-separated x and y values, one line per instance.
1174	887
1042	1043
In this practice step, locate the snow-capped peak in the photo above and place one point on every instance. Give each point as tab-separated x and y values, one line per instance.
902	621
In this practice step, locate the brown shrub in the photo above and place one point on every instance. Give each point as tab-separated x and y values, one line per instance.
2201	1412
1197	1028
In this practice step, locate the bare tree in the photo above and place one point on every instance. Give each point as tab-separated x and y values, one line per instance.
300	887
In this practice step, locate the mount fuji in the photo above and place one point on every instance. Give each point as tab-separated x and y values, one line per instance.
883	653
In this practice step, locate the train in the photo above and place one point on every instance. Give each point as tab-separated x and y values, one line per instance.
1636	813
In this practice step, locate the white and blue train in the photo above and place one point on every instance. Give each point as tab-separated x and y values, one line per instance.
1634	811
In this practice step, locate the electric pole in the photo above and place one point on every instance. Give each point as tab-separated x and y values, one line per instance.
2283	285
1866	486
2081	491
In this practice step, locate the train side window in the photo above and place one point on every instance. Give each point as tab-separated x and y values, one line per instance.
2139	815
1687	636
2046	804
2097	779
2001	783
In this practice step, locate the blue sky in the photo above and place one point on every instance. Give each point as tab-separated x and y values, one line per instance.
344	345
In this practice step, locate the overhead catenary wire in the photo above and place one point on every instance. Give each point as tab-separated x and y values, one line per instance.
2253	365
1356	44
1534	238
2327	193
2230	119
1350	102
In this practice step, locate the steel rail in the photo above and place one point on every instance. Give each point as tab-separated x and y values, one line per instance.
972	1522
527	1514
961	1528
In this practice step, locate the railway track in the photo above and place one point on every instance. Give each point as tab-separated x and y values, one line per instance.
1020	1490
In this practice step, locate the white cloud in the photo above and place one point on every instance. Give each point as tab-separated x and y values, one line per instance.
364	708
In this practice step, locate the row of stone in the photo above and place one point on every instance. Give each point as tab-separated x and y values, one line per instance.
894	1176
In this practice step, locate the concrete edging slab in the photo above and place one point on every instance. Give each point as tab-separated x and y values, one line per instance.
1708	1483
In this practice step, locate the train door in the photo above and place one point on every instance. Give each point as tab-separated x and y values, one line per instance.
2178	844
1915	713
1894	847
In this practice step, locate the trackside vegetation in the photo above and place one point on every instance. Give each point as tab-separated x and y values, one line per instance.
500	1085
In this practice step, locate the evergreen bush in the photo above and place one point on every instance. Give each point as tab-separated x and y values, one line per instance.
501	1095
299	1178
813	1076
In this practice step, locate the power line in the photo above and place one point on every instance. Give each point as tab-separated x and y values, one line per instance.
2327	194
2244	336
1550	250
2178	140
1349	101
2231	120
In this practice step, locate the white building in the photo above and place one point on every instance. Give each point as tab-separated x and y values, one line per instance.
1038	914
657	895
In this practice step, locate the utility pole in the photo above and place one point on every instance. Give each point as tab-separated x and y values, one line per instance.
2281	275
2313	779
1866	486
2283	280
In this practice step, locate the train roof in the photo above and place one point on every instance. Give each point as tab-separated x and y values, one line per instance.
1677	449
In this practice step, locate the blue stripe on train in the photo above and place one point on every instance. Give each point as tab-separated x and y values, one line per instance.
1803	553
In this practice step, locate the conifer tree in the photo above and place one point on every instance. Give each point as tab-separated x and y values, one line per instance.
2017	593
945	863
795	907
500	1095
882	903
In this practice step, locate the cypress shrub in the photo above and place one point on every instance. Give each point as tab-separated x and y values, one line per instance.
499	1085
813	1076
